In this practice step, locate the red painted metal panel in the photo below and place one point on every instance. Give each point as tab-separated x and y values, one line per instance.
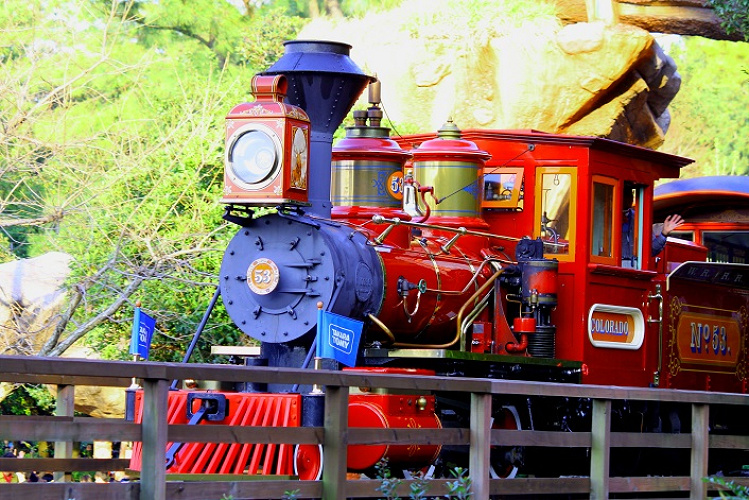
243	409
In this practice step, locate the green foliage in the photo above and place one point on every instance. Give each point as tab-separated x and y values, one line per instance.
734	15
388	485
113	153
474	22
735	491
215	25
262	43
418	487
6	248
291	495
461	487
28	400
349	8
360	8
151	207
710	114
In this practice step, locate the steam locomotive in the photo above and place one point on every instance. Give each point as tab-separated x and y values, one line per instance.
473	253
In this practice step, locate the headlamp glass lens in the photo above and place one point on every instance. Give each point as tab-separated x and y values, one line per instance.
253	157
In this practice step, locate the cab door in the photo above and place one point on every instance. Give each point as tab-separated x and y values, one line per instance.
619	344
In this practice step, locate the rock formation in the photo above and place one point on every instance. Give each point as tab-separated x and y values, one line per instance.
30	299
582	78
95	401
683	17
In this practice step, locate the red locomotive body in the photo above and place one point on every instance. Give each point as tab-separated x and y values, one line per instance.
474	253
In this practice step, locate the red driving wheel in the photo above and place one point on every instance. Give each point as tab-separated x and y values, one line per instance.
503	459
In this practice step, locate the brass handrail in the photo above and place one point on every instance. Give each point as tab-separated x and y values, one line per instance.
470	317
459	333
473	297
657	296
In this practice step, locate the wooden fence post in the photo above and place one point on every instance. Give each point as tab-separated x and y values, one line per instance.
154	438
480	437
335	443
64	407
600	452
700	448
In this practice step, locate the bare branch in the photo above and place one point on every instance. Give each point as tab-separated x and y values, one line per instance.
47	99
182	30
63	321
249	8
99	318
38	221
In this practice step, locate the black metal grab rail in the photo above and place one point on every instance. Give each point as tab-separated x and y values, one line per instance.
335	434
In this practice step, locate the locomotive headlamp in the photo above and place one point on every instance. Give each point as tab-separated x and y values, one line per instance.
253	157
267	144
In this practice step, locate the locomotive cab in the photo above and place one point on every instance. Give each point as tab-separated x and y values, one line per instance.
632	317
590	201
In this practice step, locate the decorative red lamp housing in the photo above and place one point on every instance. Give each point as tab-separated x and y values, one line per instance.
267	148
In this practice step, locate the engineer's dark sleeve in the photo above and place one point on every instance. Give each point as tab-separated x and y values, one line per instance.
659	241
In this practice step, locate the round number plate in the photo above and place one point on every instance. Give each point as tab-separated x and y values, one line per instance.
262	276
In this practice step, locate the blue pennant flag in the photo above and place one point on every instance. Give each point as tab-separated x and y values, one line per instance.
143	326
338	337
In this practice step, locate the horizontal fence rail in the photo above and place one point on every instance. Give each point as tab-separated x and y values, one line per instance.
335	436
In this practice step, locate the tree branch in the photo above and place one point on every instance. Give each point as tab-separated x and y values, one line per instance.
63	321
52	94
182	31
99	318
38	221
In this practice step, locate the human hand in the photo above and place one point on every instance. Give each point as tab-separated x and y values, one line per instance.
671	223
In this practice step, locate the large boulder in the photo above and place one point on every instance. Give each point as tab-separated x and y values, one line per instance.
583	78
95	401
31	298
681	17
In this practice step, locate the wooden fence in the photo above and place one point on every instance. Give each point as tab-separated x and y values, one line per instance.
154	484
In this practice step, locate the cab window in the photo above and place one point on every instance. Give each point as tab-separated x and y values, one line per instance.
633	197
602	217
556	192
727	246
503	188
